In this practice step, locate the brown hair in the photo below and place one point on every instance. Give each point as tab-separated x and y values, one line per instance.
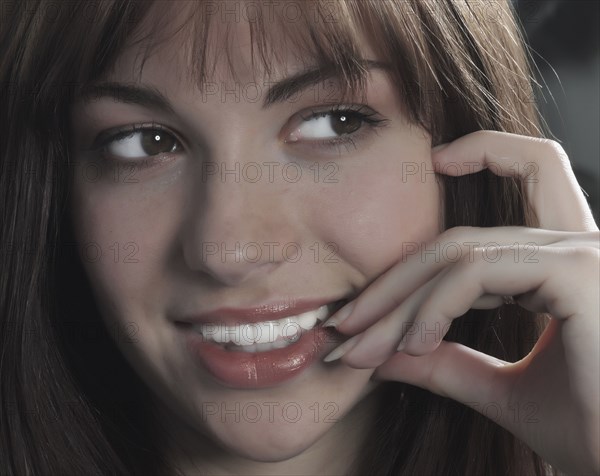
458	69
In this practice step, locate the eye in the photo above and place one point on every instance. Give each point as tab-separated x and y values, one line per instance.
329	124
334	123
137	142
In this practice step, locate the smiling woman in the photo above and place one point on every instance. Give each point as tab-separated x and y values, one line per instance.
204	199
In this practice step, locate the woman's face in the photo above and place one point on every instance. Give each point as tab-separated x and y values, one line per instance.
242	205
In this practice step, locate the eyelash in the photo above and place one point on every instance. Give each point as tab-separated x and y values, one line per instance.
366	115
372	119
104	139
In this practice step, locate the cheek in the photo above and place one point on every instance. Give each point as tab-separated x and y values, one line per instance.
375	214
112	225
127	232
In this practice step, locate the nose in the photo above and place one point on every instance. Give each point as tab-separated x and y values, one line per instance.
236	225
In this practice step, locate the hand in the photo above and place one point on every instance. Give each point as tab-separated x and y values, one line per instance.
554	270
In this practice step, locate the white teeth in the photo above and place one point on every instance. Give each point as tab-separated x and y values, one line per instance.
278	344
266	333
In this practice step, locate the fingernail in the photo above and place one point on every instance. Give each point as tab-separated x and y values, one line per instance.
402	344
340	316
342	349
440	147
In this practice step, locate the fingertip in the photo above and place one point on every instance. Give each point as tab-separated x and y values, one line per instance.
342	349
340	316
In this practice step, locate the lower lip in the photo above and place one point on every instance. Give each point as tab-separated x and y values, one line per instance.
261	369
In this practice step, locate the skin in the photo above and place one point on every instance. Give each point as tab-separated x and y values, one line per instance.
163	219
363	210
549	399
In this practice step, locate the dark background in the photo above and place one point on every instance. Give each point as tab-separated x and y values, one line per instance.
565	46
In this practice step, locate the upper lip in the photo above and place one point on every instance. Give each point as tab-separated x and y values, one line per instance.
271	311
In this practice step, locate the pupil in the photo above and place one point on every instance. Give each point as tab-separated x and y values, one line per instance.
154	142
345	124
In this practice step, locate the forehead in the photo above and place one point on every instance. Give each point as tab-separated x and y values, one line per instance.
200	42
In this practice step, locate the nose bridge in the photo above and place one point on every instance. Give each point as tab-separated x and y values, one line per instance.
236	216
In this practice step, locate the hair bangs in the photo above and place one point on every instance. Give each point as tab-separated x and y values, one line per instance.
319	35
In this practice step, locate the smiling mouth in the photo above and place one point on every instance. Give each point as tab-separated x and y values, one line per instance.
265	335
247	353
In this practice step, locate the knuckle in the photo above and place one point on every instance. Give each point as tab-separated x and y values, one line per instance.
582	259
553	149
481	134
584	255
593	237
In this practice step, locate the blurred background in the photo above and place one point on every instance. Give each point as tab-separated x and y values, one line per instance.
565	46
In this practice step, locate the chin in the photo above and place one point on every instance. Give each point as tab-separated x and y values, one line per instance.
268	442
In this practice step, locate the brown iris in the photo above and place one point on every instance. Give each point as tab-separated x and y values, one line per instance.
345	123
156	142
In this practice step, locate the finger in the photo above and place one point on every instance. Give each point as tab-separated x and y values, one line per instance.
453	370
422	261
541	164
480	381
371	347
376	344
539	288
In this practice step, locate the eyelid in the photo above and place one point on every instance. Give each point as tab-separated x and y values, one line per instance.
372	119
104	138
367	113
361	109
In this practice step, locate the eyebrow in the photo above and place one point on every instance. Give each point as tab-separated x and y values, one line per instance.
146	96
284	89
277	92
